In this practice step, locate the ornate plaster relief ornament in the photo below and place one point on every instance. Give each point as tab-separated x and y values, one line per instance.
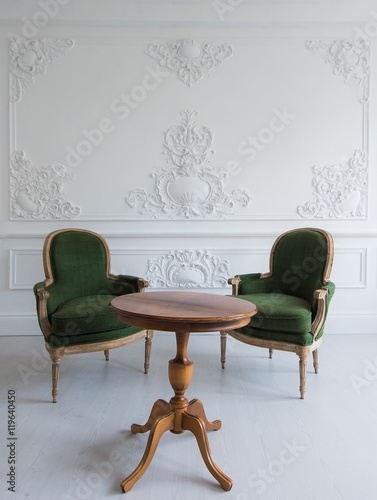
29	59
340	191
349	58
187	146
190	59
188	269
189	187
37	193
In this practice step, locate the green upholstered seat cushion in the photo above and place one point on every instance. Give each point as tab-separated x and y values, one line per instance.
72	338
89	314
281	313
304	339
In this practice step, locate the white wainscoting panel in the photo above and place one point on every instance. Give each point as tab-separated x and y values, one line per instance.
194	268
26	269
350	268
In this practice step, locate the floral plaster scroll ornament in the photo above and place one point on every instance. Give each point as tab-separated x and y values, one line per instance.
189	187
190	59
349	58
340	191
188	269
37	193
29	59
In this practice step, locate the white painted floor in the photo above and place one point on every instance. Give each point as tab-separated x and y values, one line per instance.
272	444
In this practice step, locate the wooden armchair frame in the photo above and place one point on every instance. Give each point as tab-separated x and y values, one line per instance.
57	353
303	352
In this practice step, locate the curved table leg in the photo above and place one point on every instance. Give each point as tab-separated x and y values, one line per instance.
197	427
196	409
159	408
160	425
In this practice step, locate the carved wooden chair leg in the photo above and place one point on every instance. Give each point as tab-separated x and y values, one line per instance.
315	360
270	351
55	355
106	354
223	348
148	346
303	355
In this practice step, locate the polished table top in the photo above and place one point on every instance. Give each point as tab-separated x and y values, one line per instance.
177	311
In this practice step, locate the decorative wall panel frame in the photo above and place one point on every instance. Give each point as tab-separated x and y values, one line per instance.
356	75
341	191
36	193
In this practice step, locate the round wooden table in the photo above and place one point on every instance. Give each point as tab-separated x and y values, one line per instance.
182	313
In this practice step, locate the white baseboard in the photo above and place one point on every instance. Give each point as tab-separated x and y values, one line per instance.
27	324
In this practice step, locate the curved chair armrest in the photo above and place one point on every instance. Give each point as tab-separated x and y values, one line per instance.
234	282
117	281
140	282
321	295
253	281
42	296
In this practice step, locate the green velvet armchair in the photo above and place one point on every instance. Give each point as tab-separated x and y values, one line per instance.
73	301
292	298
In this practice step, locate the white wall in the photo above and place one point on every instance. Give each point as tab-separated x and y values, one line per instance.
190	135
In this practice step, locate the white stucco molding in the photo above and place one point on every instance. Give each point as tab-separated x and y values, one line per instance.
340	191
29	58
349	58
37	193
190	59
188	269
189	187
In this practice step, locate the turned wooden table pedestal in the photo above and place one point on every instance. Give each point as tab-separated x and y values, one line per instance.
182	313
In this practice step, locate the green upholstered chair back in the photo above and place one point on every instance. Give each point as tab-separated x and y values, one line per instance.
77	264
301	262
